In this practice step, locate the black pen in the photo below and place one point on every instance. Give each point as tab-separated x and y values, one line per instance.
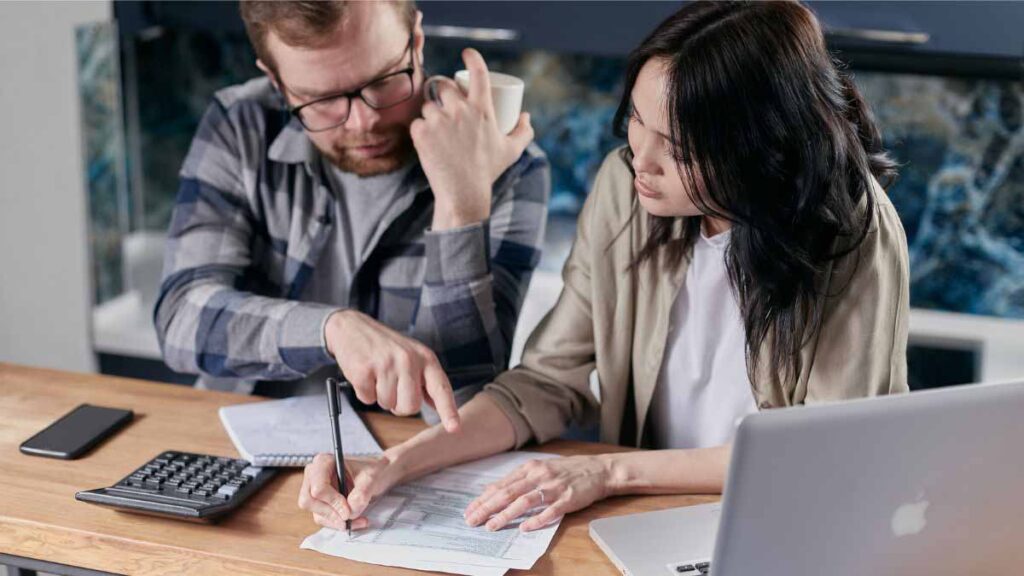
334	408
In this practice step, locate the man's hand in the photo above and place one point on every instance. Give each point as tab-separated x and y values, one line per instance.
366	478
388	368
461	149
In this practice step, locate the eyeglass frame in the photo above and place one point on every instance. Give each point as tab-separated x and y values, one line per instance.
358	92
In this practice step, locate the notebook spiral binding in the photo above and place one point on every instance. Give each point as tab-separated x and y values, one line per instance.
282	459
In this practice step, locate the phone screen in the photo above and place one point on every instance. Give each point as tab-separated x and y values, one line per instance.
76	431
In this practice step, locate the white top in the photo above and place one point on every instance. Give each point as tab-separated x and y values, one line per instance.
703	391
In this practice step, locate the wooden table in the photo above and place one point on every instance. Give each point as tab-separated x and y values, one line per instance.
42	526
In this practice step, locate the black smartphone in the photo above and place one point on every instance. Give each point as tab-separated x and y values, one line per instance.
76	432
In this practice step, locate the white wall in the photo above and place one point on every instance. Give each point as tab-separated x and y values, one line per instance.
45	290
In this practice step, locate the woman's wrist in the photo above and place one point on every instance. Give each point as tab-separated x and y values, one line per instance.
618	476
694	471
403	459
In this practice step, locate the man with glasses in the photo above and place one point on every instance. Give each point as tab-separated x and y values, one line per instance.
328	218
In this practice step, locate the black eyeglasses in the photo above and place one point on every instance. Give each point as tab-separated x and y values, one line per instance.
382	92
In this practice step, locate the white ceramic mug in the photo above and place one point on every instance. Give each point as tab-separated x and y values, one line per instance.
506	93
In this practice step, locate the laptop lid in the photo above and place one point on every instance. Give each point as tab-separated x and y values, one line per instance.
923	483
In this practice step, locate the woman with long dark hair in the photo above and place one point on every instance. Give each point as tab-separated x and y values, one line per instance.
740	254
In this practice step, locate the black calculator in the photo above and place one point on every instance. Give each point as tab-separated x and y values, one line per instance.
182	485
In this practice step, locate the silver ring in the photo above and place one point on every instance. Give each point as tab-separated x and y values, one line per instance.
542	500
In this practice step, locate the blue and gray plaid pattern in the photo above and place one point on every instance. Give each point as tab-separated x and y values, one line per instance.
252	217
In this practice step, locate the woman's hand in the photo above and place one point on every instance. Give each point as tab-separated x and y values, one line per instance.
368	479
560	485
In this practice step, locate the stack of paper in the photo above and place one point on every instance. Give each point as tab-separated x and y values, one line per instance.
420	525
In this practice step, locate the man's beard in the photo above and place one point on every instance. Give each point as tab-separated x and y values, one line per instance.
401	152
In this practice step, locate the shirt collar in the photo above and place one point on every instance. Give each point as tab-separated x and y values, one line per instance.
292	145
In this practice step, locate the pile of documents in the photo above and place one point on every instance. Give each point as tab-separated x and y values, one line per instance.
419	525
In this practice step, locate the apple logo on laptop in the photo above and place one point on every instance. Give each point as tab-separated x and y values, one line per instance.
909	519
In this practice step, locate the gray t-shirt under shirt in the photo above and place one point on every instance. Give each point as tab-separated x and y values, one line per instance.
361	214
360	211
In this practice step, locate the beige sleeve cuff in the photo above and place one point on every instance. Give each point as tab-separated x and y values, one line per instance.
510	408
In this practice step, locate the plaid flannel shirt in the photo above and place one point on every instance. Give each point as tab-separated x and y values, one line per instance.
253	215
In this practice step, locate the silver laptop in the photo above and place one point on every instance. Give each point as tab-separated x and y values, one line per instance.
924	483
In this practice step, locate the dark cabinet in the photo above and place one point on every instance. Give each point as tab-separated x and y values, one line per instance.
601	28
964	27
970	28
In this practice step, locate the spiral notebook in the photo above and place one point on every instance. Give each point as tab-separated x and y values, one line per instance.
292	431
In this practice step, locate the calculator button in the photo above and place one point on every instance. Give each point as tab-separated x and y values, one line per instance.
228	491
251	471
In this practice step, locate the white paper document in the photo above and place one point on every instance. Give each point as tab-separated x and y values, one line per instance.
420	525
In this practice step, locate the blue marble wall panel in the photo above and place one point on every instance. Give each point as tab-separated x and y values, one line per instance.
961	189
103	153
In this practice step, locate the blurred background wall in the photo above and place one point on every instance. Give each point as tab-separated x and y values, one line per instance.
45	288
101	100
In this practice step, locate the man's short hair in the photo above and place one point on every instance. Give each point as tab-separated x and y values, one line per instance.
303	23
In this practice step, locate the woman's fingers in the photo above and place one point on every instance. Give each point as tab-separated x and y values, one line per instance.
328	521
323	513
548	515
319	494
511	478
499	500
327	494
360	523
517	508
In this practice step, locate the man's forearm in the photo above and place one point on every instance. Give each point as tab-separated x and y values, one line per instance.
484	431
